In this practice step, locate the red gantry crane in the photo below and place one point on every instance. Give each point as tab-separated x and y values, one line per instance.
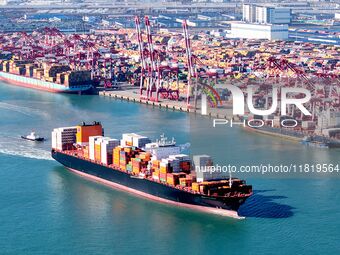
191	71
142	58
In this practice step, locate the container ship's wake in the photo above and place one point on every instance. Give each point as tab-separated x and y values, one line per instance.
154	170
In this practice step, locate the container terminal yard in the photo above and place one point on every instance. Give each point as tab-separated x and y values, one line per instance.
254	87
179	67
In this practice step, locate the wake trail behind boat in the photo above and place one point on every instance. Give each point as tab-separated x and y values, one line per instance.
9	146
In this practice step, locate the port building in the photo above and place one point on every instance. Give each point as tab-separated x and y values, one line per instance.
259	31
265	14
262	22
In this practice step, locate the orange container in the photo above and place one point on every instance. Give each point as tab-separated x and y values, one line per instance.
122	165
185	182
171	179
85	131
145	156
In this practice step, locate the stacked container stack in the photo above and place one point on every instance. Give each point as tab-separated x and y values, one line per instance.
186	181
64	138
160	152
136	165
84	131
107	147
126	140
163	170
86	151
173	178
135	140
140	141
215	187
173	164
92	140
155	166
74	78
124	157
184	162
29	70
201	162
116	156
97	149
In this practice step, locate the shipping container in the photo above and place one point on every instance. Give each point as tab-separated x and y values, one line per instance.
84	131
64	138
92	140
162	177
155	176
97	149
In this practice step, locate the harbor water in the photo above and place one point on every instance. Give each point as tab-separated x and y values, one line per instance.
45	209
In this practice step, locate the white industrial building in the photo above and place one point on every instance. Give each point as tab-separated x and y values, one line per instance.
249	13
259	31
265	14
337	16
328	119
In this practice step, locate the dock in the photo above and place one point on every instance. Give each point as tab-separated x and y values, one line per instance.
132	95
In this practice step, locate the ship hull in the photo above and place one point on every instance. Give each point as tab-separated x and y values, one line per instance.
149	189
27	82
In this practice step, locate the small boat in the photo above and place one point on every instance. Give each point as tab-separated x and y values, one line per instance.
33	137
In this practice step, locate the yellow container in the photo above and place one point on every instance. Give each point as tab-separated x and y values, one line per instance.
163	169
135	170
195	186
97	152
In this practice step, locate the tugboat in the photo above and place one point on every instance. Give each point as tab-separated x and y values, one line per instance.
33	137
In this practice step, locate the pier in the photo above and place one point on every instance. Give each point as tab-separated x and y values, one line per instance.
132	95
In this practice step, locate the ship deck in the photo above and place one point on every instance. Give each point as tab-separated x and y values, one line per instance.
78	154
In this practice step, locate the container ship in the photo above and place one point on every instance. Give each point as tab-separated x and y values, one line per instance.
154	170
57	78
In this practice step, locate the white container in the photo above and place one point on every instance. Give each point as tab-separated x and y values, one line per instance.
54	139
202	160
180	157
92	140
107	146
127	138
140	141
161	152
62	136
